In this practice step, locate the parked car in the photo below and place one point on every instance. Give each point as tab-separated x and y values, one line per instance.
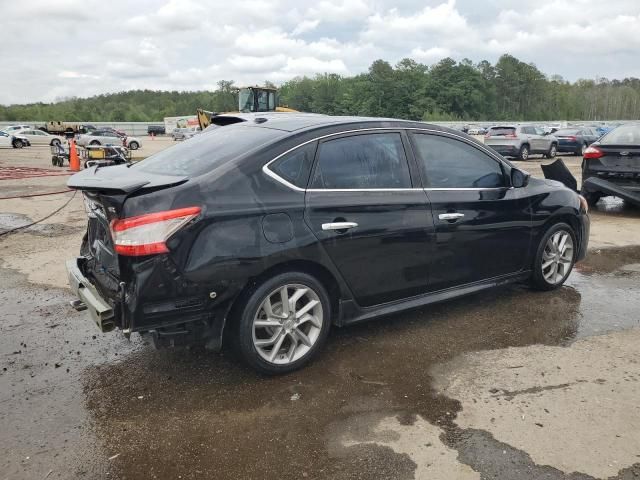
115	132
105	137
476	131
38	137
273	230
575	139
184	133
156	130
611	165
13	128
11	140
521	141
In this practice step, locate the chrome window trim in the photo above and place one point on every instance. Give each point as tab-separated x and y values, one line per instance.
267	171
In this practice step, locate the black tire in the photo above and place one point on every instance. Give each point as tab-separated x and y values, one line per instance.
552	152
94	142
254	299
17	143
524	152
134	146
55	142
580	152
592	197
538	280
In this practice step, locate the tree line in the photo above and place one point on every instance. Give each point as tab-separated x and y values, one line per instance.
446	91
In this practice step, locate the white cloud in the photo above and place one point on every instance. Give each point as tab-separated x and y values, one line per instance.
92	46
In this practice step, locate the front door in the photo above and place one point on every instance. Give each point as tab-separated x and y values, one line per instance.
483	226
376	228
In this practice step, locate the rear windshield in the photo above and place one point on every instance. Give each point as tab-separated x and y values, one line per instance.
208	150
502	131
622	135
567	131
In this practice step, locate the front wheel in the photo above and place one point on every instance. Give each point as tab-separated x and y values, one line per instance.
55	142
95	142
18	143
524	152
284	323
134	146
555	257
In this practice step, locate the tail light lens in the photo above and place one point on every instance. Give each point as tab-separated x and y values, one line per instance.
147	234
572	138
593	152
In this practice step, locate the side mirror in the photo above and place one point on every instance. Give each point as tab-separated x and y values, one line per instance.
519	178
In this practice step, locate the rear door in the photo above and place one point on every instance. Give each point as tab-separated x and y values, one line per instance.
374	225
482	224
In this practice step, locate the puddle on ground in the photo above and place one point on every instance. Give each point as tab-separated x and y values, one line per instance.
195	414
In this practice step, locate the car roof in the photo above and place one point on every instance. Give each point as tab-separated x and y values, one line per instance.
296	122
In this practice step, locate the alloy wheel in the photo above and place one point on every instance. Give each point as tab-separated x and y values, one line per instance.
287	324
553	152
557	257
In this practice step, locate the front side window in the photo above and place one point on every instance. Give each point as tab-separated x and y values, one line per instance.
295	167
362	162
450	163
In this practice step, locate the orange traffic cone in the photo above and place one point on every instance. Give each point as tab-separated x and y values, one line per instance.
74	161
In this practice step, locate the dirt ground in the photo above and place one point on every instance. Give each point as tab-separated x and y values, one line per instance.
509	384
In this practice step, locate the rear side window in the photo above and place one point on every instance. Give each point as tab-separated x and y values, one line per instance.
362	161
502	131
295	166
450	163
207	151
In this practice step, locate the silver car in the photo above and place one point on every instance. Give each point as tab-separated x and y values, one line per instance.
184	133
521	141
107	137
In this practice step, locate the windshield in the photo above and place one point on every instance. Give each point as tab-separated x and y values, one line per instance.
622	135
502	131
246	100
566	131
203	153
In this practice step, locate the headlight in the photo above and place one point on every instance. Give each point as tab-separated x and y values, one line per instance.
584	206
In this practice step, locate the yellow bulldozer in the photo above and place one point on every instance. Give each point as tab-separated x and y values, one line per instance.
250	99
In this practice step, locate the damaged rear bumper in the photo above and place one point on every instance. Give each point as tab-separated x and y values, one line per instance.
100	310
628	192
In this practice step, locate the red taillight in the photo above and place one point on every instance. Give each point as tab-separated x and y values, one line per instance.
147	234
572	138
593	152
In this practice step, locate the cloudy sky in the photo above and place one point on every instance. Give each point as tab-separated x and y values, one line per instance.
61	48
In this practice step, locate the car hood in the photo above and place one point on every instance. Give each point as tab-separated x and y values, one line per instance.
121	178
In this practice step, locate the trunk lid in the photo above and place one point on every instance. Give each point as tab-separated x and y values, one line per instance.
121	179
625	158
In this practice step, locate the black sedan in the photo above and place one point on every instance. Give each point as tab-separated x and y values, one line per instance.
611	166
575	140
273	229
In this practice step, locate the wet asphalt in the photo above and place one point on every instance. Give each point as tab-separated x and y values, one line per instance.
75	403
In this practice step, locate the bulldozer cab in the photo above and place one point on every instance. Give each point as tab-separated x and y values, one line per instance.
257	99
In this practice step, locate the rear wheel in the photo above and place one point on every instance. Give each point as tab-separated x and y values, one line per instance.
134	146
555	257
17	143
581	150
284	323
553	151
524	152
95	142
55	142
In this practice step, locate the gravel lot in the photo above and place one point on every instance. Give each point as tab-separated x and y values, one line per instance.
509	384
